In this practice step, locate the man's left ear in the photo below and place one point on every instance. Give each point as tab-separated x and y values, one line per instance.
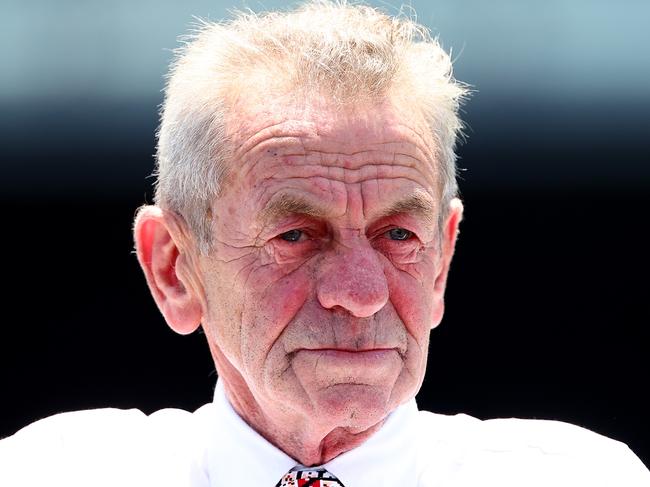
163	247
448	245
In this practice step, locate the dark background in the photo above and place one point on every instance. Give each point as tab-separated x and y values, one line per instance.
547	304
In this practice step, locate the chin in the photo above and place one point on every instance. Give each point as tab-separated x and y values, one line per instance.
353	406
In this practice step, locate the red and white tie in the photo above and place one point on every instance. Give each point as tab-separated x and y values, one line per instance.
300	476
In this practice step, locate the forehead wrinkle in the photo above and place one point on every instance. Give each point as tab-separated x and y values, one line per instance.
277	137
410	149
354	160
277	146
348	176
247	137
294	141
423	139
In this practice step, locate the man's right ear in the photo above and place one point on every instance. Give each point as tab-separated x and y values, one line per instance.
162	245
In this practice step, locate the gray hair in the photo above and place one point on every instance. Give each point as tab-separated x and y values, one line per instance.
349	52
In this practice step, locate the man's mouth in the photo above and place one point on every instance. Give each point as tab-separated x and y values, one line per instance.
352	357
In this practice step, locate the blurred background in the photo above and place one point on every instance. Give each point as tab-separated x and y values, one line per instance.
547	304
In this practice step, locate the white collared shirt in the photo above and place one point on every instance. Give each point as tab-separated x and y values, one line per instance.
214	447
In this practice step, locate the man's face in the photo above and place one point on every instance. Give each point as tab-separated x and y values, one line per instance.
327	270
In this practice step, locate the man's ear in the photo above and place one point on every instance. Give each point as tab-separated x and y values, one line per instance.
447	247
163	245
451	226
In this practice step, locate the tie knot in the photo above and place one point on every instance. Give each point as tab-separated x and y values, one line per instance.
300	476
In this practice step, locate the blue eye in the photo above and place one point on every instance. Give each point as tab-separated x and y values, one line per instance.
291	235
399	234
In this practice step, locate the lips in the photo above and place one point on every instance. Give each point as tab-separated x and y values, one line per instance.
369	358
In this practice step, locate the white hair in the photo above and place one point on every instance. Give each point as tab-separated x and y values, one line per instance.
349	52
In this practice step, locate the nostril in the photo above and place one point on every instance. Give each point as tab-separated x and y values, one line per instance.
339	310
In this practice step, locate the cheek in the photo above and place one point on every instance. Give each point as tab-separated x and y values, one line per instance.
250	304
411	290
271	301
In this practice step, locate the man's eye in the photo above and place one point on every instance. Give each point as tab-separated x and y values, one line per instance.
291	235
399	234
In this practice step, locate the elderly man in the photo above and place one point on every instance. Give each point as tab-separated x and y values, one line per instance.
306	218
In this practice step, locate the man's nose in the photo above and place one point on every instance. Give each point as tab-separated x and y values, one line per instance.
353	279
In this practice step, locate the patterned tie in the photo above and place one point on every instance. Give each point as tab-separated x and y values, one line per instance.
300	476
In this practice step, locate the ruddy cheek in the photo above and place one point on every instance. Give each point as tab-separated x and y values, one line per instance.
267	312
274	306
412	300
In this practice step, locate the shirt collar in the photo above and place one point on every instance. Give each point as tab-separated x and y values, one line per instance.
237	454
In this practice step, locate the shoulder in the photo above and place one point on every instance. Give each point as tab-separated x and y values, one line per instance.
71	448
513	451
107	427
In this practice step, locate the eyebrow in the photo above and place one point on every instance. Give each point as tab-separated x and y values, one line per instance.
417	203
287	204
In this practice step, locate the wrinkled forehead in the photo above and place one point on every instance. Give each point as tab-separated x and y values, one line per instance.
284	126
